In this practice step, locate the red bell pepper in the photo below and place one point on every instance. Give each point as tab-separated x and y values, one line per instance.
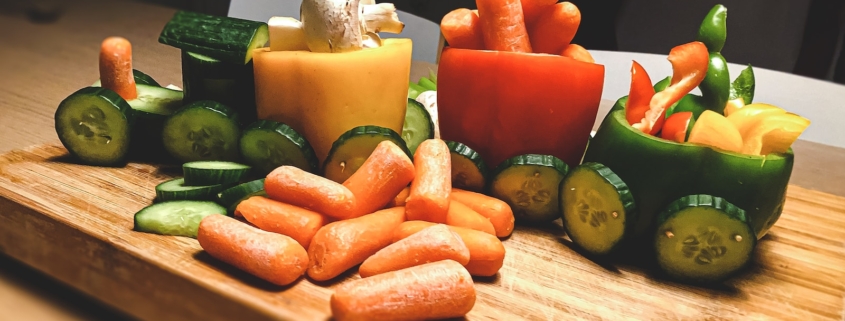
689	66
640	94
504	104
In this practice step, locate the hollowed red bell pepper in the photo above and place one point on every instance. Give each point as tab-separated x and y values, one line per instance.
504	104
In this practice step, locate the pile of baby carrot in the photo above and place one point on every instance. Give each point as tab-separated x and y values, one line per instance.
417	246
538	26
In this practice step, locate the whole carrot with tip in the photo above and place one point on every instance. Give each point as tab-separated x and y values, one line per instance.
436	290
431	244
276	258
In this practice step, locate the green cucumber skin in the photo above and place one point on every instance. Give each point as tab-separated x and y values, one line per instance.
473	156
228	83
624	194
369	130
233	194
195	176
196	193
147	225
288	133
223	38
229	149
414	142
547	161
118	102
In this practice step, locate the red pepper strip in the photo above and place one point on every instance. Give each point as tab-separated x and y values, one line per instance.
640	94
689	65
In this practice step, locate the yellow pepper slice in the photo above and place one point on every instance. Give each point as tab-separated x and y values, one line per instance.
734	105
323	95
748	116
713	129
774	134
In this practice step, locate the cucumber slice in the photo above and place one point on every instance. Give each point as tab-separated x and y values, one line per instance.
418	125
140	79
597	208
529	184
231	84
95	124
468	169
230	198
224	38
204	173
267	144
703	239
204	130
156	101
179	218
350	151
176	189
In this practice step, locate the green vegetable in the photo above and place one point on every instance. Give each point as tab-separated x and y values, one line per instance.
713	30
176	189
529	184
213	172
468	169
267	144
703	239
353	147
179	218
597	208
231	84
230	198
95	124
223	38
418	125
427	84
204	130
743	86
414	90
660	171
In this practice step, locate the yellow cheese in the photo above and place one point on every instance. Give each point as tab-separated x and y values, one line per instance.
322	95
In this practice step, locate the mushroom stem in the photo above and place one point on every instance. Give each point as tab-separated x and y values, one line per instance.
381	18
346	25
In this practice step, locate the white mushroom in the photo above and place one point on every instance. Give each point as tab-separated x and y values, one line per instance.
346	25
286	33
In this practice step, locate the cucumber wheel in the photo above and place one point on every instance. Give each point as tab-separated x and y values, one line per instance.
176	189
95	124
231	197
179	218
213	172
202	131
597	208
529	184
468	169
418	125
703	239
350	151
267	144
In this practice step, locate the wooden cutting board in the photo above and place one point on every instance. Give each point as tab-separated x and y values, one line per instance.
74	223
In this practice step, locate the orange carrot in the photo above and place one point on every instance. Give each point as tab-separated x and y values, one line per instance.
430	291
555	28
341	245
429	198
498	212
276	258
432	244
578	53
300	188
503	25
461	29
400	198
532	9
384	174
116	67
462	216
486	252
277	217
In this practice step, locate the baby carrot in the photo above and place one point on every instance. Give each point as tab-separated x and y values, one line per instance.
341	245
300	188
116	67
277	217
432	244
429	197
461	29
498	212
486	252
463	216
273	257
555	28
503	25
436	290
400	198
384	174
532	9
578	53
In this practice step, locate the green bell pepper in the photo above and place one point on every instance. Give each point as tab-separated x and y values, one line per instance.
659	171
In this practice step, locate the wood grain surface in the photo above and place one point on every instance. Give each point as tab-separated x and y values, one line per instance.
74	222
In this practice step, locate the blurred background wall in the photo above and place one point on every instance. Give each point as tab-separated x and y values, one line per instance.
798	36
